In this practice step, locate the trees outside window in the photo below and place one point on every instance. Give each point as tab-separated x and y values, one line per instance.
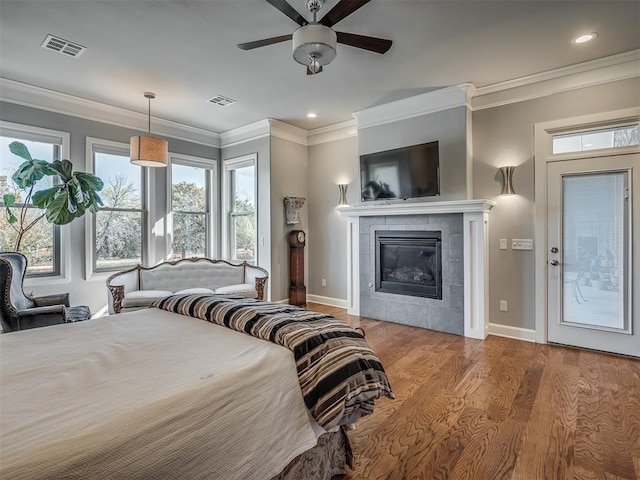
119	225
41	244
240	206
190	207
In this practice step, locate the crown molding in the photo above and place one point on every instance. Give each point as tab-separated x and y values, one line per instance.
594	72
31	96
426	103
332	133
288	132
247	133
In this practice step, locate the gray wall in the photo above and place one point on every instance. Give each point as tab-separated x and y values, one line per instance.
330	164
93	292
504	136
447	127
289	177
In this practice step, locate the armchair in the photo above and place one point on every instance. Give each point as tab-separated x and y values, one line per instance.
20	312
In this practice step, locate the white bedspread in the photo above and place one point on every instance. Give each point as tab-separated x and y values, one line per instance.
147	395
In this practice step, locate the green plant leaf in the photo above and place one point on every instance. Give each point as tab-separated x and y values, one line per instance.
43	198
89	181
64	169
57	211
11	218
29	172
20	149
8	200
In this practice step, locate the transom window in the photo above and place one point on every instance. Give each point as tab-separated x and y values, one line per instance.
118	227
41	244
612	137
191	207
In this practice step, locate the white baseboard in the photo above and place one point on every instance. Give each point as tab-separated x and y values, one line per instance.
517	333
284	300
332	302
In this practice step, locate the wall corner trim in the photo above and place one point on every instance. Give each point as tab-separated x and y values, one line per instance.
288	132
239	135
332	302
332	133
517	333
436	101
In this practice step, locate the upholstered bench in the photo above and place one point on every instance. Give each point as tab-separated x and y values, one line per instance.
140	286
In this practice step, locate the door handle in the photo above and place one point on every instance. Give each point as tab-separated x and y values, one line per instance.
555	263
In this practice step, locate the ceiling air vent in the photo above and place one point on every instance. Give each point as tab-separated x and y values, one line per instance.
61	45
222	101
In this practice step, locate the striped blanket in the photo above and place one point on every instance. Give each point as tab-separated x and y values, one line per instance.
340	376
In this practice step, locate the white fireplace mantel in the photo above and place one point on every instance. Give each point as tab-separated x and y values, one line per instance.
476	254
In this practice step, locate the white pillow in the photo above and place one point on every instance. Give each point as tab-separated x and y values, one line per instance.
194	291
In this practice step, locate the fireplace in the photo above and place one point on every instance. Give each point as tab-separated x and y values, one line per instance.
409	262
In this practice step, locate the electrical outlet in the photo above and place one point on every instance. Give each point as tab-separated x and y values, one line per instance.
503	305
522	244
503	244
323	282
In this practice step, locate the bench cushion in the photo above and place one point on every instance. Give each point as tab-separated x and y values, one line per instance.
243	290
143	298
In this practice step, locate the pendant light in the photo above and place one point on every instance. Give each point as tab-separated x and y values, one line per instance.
146	150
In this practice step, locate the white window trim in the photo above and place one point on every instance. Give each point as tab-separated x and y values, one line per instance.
212	249
543	154
28	132
90	274
229	165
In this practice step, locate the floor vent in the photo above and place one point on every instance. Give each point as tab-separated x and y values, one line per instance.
222	101
63	46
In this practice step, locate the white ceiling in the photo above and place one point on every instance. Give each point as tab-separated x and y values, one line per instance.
185	52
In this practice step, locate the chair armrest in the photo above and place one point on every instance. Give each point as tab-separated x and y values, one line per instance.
41	317
258	276
117	295
55	299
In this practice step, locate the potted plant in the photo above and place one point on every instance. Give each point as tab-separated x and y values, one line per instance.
70	198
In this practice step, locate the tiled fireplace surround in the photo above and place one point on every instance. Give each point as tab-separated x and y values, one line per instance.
464	227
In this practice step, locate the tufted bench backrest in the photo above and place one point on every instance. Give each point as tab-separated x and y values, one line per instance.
191	274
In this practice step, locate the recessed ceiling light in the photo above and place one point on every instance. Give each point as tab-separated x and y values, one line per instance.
312	115
587	37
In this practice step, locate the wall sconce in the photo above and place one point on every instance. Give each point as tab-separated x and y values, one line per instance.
343	194
507	179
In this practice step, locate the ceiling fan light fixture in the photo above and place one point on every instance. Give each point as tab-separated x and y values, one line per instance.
314	64
317	41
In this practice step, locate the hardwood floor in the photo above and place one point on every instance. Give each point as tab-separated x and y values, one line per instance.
495	409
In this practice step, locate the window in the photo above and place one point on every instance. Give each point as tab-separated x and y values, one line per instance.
240	207
118	228
191	206
42	243
615	137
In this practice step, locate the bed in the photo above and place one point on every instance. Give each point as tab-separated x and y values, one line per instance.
177	392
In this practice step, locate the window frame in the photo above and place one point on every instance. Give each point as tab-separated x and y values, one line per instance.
211	166
230	165
116	148
61	233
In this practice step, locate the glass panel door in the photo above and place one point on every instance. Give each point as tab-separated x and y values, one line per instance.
595	250
592	271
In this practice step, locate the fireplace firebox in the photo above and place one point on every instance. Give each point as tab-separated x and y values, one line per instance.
409	263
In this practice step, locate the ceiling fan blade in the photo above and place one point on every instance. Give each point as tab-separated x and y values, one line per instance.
373	44
289	11
341	10
264	43
309	72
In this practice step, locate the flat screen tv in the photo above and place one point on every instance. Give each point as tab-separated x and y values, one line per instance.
402	173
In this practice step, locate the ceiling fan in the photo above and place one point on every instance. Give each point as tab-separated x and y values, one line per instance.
314	43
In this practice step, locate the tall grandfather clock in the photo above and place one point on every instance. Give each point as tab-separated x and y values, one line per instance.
297	290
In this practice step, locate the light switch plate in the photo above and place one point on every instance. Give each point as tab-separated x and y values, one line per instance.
503	244
522	244
503	305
